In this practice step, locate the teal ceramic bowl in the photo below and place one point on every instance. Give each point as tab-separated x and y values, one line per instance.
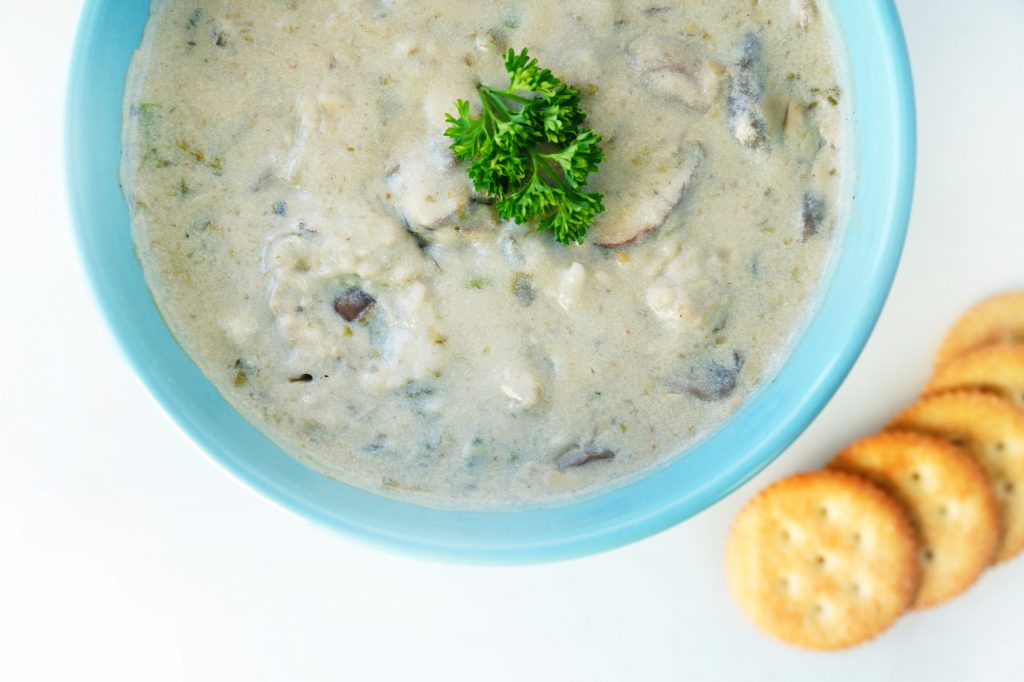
849	303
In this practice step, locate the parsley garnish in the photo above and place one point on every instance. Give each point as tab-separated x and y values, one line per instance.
528	150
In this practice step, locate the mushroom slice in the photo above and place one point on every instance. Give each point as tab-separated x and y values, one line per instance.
673	68
812	215
634	217
578	458
353	304
746	119
712	382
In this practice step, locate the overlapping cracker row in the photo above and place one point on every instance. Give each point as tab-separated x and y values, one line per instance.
907	518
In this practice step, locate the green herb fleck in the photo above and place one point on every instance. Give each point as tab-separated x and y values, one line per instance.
242	370
148	120
196	154
394	484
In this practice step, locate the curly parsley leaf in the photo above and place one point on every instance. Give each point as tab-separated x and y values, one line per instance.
528	150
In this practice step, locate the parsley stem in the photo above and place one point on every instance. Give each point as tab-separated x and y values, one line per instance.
512	96
547	172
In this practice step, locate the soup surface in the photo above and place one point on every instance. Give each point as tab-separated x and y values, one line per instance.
316	249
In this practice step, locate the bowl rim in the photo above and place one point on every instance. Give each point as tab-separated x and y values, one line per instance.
616	517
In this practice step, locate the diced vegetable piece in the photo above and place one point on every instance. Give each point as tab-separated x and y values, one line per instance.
570	286
520	386
804	12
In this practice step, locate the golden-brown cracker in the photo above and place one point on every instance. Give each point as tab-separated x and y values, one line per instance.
992	429
998	368
823	560
948	497
997	319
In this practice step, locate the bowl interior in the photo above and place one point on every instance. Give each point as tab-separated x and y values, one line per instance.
884	147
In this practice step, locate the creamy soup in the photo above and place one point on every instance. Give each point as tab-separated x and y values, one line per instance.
320	254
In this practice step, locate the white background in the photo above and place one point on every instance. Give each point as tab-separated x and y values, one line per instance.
126	555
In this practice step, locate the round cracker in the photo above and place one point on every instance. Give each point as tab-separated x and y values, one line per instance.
997	319
948	498
823	560
990	428
998	368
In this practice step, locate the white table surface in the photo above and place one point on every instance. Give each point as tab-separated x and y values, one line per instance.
125	554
